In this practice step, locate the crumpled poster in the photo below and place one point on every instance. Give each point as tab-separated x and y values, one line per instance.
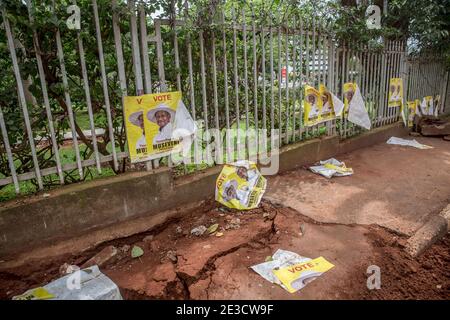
290	270
85	284
332	167
240	185
409	143
357	112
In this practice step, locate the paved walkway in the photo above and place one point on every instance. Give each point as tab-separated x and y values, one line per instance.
393	186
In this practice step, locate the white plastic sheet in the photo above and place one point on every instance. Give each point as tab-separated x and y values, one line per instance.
332	167
85	284
357	112
409	143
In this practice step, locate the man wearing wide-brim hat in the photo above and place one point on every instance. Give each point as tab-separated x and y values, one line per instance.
137	118
163	116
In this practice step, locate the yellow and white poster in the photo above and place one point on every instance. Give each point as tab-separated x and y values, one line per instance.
240	185
312	106
395	96
437	105
298	276
155	123
349	92
412	108
426	107
332	106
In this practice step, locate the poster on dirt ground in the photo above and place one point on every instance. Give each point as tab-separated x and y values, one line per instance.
395	96
312	106
156	124
240	185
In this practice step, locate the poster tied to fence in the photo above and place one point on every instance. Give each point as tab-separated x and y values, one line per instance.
156	125
240	185
412	109
395	96
312	106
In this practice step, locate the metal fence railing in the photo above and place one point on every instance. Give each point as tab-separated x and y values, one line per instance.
236	72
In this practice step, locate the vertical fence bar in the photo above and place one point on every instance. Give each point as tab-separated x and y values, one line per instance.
203	79
43	83
272	98
105	84
287	83
263	71
300	47
247	121
294	77
236	85
225	86
255	74
280	77
88	98
215	98
67	98
8	152
119	53
175	45
144	50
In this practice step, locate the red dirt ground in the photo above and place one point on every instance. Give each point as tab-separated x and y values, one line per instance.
210	267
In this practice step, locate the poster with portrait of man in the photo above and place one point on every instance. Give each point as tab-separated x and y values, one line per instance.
412	109
312	106
395	95
332	106
349	92
240	185
156	124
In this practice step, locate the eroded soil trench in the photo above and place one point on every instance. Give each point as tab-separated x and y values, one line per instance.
179	265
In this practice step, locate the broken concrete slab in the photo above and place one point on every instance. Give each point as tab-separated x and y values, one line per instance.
441	128
384	191
427	235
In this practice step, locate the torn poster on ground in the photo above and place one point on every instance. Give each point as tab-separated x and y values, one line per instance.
273	271
298	276
85	284
240	185
409	143
332	167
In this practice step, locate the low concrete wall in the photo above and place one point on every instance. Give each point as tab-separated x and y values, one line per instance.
72	210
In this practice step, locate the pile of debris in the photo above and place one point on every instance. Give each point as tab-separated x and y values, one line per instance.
431	126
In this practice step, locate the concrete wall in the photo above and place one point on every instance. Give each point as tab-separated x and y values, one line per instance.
72	210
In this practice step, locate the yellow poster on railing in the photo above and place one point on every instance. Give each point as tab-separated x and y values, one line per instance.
395	95
349	92
412	109
155	123
312	106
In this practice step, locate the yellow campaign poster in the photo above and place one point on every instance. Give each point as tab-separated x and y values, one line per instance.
240	185
134	123
349	92
151	121
395	95
437	104
412	108
299	275
428	105
312	106
328	111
